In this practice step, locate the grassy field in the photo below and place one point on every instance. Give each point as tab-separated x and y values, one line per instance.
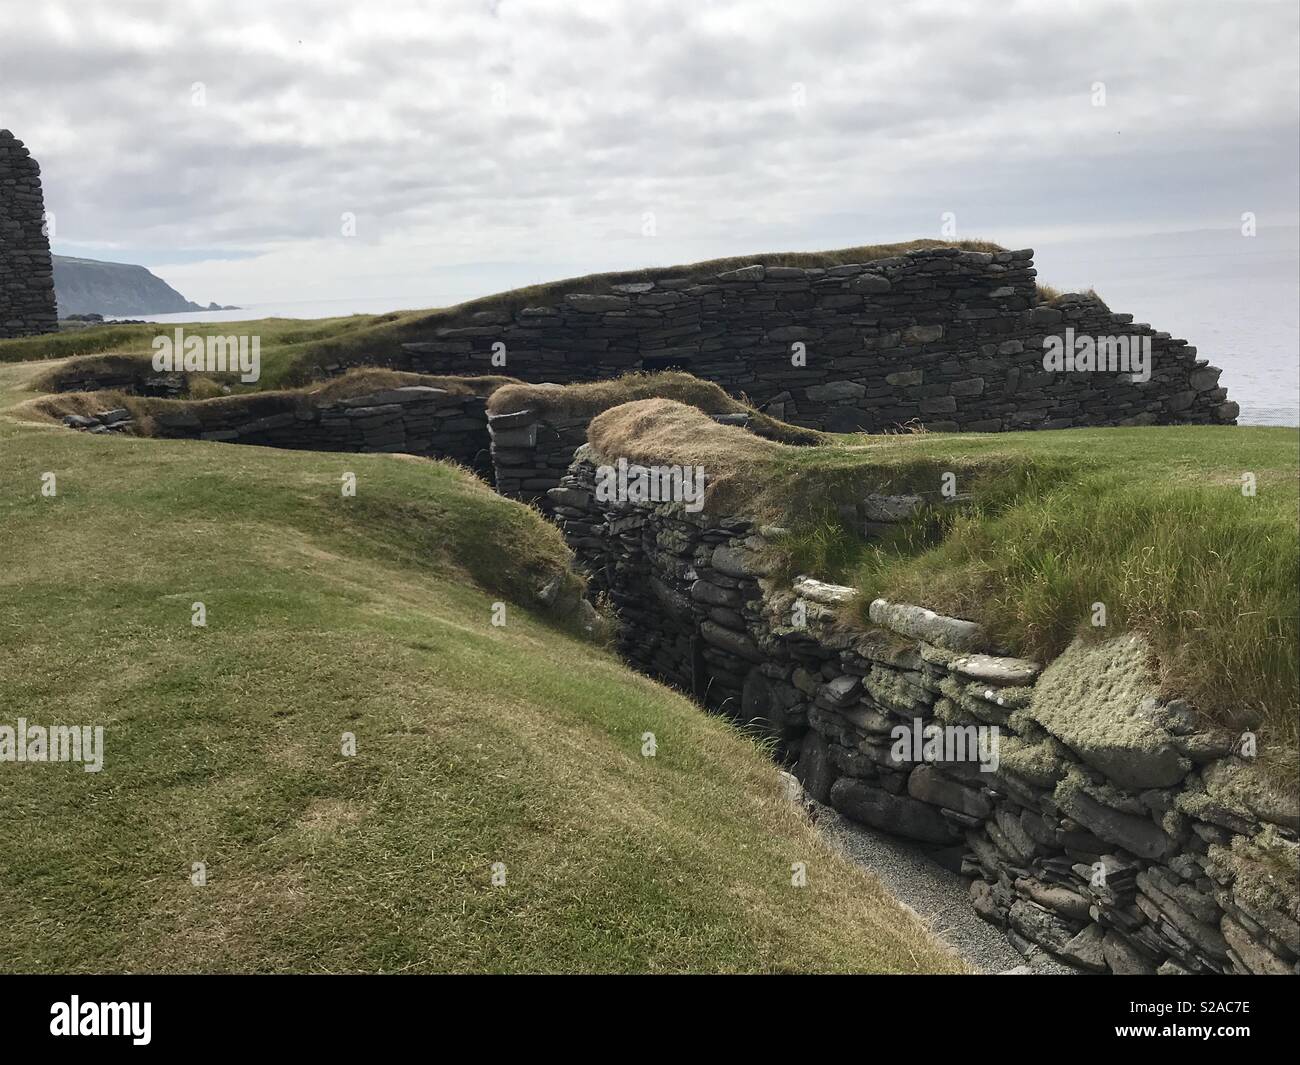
475	744
1151	522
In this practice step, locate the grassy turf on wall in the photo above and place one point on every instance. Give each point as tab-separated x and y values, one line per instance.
1151	522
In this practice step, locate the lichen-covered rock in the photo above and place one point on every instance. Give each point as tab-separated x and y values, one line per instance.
1248	786
955	634
1090	698
995	670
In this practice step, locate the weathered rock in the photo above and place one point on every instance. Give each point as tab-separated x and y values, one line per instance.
841	691
1134	834
1054	897
1253	956
952	633
827	594
736	562
995	670
930	786
815	769
1091	698
835	391
1123	958
733	642
895	814
1086	949
1040	926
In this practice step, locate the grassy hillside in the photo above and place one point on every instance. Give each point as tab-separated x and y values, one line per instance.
475	744
1152	522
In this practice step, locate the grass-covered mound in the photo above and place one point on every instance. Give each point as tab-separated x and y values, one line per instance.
295	351
475	744
1152	522
589	399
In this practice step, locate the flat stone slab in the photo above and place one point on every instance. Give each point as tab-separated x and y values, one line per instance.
512	419
821	592
736	562
899	814
955	634
996	670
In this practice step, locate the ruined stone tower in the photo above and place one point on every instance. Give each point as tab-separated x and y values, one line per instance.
26	270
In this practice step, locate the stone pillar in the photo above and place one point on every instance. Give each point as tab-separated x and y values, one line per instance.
26	270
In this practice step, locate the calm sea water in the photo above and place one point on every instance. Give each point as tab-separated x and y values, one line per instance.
1236	298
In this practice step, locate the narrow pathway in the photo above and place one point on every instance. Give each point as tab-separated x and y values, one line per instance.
937	895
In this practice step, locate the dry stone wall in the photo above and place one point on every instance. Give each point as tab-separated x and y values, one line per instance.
1125	849
948	338
417	420
26	271
532	450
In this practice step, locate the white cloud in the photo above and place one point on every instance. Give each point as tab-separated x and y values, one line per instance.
540	133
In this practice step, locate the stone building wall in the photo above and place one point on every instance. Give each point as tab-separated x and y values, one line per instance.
949	338
26	271
1147	855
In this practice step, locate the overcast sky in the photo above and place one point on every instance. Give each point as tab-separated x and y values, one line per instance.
486	143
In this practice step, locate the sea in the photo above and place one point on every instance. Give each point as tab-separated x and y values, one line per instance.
1235	297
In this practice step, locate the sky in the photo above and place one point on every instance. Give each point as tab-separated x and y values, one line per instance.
427	152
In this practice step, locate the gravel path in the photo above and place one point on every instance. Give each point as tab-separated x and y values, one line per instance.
939	896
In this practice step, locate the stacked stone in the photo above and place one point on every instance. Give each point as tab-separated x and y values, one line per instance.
121	377
531	451
416	420
948	338
530	455
1109	863
26	271
117	420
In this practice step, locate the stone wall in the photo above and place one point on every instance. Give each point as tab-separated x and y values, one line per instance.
949	338
116	373
532	450
417	420
1133	847
26	271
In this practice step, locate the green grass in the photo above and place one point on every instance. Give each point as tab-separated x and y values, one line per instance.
288	345
475	744
1151	522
